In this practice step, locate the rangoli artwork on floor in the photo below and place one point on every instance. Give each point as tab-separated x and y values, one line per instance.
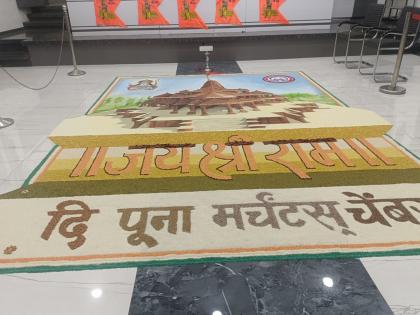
191	169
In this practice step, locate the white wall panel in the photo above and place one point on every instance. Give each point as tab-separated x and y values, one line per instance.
10	16
298	12
343	8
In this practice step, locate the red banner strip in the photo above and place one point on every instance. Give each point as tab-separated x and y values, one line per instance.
225	12
269	12
105	13
149	13
188	16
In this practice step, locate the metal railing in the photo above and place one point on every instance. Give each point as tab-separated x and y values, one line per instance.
393	88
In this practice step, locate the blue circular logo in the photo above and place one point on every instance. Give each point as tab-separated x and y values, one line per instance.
278	78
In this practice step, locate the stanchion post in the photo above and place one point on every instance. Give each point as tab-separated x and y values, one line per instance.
76	71
207	68
393	88
206	50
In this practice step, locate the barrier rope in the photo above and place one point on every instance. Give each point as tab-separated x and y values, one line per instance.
56	68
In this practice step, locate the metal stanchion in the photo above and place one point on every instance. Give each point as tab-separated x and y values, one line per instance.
6	122
76	71
206	50
393	88
207	68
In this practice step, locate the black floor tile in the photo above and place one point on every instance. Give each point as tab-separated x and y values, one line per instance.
304	287
216	68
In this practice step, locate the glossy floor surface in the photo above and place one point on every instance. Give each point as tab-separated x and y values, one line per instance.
333	287
318	287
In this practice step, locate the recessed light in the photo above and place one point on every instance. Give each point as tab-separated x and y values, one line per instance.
96	293
328	282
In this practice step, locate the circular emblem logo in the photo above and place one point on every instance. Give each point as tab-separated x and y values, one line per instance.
278	78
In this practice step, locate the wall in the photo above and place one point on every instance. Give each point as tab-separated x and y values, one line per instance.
10	16
304	16
343	8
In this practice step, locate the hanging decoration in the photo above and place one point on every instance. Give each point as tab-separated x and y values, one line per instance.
269	12
149	13
187	15
105	13
225	12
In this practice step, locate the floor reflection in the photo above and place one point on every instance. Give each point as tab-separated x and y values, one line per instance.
187	68
307	287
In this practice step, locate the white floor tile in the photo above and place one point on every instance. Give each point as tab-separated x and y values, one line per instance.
398	279
9	185
105	292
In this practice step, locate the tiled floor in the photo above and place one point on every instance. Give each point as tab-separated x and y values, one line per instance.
23	145
316	287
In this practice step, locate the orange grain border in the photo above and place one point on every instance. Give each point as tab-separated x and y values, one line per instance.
208	251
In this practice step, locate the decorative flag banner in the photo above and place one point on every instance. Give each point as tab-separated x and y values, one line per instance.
188	17
269	12
149	13
225	13
105	13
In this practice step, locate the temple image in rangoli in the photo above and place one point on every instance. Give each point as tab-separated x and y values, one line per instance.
213	95
213	98
211	109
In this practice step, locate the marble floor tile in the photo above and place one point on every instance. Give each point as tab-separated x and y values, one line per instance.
9	185
7	167
399	281
14	154
188	68
67	293
11	142
295	287
22	172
